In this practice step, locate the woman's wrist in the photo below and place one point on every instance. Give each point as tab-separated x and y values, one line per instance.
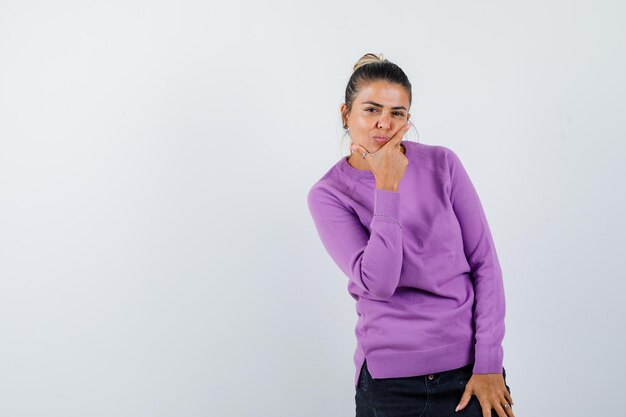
387	186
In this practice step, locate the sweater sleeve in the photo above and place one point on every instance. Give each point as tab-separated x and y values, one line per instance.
372	262
480	251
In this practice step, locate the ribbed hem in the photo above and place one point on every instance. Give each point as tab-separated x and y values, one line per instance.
414	363
387	203
488	359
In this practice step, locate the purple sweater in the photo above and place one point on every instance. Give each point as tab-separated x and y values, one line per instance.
421	265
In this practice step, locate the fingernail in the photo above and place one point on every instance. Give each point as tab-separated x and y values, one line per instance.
456	409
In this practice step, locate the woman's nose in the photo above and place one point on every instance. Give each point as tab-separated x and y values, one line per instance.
384	122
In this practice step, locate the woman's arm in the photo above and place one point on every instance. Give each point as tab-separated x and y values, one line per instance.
485	269
372	262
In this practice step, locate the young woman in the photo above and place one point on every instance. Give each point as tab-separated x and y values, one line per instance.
403	221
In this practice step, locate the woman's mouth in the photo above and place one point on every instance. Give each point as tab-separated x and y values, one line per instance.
381	139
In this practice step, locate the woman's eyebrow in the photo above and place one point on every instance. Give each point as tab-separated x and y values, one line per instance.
380	105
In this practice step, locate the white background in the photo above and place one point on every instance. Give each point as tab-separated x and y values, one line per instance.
157	257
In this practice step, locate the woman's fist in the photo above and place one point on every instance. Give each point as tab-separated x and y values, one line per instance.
388	163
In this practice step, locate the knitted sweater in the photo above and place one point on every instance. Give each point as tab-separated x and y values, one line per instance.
421	265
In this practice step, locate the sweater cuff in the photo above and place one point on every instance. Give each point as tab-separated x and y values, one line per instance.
488	359
387	203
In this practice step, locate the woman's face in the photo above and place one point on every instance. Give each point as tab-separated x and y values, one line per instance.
379	110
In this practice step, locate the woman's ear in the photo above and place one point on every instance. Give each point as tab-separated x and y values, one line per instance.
343	109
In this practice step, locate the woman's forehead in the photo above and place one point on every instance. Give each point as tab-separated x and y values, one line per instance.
384	93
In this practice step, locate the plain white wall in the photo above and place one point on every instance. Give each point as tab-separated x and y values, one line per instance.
157	257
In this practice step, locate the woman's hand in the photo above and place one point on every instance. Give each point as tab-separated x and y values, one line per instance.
491	392
388	163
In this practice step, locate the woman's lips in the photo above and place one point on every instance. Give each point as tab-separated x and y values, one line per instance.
381	139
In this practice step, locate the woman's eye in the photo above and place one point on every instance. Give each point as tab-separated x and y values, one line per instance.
398	113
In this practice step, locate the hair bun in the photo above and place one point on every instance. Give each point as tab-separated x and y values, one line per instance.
368	59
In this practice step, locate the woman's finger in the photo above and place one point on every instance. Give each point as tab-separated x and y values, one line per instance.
509	410
508	397
499	410
358	148
507	402
397	138
465	399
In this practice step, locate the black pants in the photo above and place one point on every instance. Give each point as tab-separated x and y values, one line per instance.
434	395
